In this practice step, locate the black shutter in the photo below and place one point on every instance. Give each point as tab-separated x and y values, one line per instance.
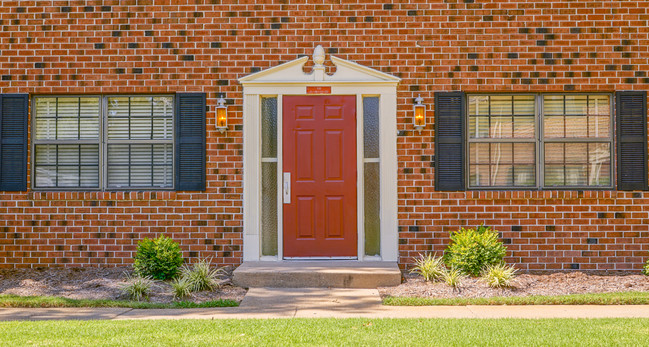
449	141
190	141
631	119
13	141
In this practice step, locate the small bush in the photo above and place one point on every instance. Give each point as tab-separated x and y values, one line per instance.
182	287
473	249
429	266
499	275
137	288
645	269
158	258
453	277
201	275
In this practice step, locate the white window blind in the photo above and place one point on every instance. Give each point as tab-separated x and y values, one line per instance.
140	142
137	144
66	142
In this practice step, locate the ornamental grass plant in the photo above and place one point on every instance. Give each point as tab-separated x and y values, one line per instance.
499	275
201	275
137	287
430	267
453	277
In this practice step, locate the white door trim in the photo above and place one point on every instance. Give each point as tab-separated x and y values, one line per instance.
349	79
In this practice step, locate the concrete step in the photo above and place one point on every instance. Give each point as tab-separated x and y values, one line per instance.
317	274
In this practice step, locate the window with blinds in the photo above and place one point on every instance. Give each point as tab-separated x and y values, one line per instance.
502	145
66	142
131	135
577	140
549	141
139	138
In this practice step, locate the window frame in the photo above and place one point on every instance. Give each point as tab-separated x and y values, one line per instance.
102	142
539	140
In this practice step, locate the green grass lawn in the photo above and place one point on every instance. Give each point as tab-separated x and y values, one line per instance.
620	298
330	332
7	300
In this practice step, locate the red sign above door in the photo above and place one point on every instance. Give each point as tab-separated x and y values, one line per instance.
318	90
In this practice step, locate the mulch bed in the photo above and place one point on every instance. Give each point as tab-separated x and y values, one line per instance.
98	283
561	283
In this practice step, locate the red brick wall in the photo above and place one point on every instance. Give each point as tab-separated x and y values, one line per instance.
90	47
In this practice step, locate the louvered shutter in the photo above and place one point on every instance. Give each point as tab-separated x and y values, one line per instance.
631	121
449	141
190	141
13	142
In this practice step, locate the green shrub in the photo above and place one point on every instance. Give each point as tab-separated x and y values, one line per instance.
182	287
429	266
473	249
453	277
158	258
137	288
499	275
201	275
645	269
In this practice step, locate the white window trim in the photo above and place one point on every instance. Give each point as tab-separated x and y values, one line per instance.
349	79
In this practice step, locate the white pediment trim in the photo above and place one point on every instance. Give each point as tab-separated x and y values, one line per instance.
346	72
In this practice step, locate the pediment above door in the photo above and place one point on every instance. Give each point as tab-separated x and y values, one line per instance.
346	72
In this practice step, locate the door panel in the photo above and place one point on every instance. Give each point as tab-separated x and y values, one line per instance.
319	151
333	149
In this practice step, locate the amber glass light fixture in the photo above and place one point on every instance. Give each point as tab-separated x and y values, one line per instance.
420	114
221	115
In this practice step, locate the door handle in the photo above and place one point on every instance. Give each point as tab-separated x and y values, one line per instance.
287	188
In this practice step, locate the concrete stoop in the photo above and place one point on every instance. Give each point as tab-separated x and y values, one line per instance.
317	274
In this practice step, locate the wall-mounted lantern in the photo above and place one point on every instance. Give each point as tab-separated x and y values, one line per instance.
221	115
420	114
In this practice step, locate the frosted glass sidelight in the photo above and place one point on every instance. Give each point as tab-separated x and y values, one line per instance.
269	127
269	209
372	210
371	127
371	188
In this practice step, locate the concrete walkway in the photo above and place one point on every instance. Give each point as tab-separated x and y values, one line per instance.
324	303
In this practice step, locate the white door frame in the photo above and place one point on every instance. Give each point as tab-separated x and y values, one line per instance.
349	79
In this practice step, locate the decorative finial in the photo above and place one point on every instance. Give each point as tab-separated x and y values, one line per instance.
318	55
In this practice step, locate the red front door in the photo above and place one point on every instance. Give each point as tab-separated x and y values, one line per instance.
319	153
